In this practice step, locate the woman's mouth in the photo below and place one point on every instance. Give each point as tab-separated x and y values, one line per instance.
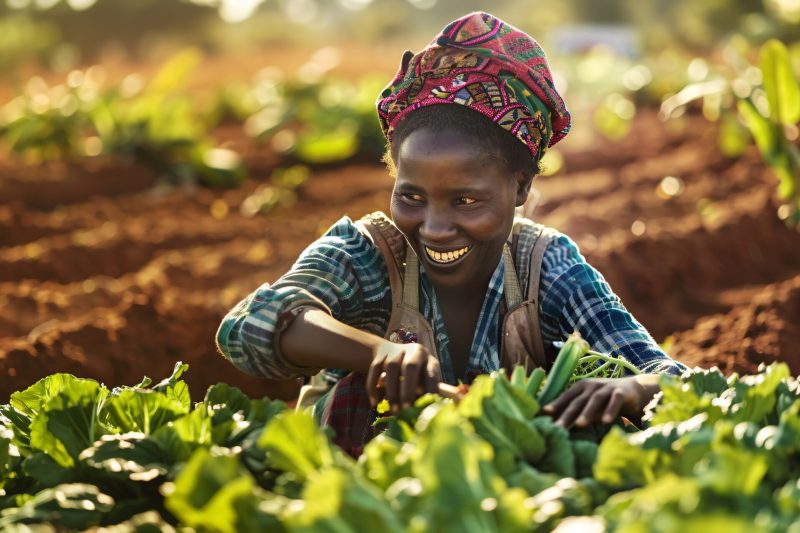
446	257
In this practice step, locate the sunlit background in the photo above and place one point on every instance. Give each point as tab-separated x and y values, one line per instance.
154	152
249	59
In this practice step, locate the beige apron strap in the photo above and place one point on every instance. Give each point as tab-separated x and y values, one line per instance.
537	255
395	282
511	288
411	280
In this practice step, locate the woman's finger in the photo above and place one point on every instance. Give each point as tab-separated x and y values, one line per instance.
373	377
433	375
411	372
565	398
614	406
571	411
594	408
392	365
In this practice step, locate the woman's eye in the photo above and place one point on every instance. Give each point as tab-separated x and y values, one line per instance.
465	200
411	197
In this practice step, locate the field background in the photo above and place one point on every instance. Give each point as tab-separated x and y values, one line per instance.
113	268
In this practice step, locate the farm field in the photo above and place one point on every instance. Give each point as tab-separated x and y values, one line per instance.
105	275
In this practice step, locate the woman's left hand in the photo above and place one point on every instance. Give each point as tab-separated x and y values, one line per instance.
602	400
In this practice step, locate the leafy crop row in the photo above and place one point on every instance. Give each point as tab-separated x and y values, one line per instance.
718	454
159	124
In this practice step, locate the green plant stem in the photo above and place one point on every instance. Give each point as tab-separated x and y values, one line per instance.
593	356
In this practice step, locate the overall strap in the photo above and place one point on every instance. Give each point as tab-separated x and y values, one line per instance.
511	289
411	280
402	265
522	332
537	255
391	244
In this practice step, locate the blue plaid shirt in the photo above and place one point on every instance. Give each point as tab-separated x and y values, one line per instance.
344	273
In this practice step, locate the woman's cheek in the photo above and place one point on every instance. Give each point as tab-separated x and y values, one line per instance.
403	216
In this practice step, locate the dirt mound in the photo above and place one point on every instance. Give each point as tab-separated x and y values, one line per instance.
106	276
763	330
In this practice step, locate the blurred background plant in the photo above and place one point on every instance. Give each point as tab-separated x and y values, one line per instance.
305	105
758	101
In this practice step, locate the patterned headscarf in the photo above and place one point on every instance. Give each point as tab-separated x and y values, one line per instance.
487	65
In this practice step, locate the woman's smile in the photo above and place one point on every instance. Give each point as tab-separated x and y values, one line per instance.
446	257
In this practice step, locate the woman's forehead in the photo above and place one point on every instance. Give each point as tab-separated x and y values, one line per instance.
435	146
447	162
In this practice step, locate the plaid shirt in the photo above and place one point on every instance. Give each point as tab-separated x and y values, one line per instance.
344	273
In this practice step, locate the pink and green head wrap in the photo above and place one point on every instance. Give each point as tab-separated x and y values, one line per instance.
487	65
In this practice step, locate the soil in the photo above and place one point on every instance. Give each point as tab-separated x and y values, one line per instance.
106	274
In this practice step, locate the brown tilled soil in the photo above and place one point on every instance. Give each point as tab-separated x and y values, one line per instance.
104	275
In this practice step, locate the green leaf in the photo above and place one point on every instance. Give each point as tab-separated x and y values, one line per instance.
210	492
706	380
380	462
223	401
182	436
9	455
25	405
679	401
74	506
621	464
585	452
732	471
454	468
194	428
513	401
68	423
218	167
732	138
146	522
173	74
322	147
531	480
763	131
130	456
756	395
176	388
46	471
780	84
339	500
143	410
559	457
295	444
501	415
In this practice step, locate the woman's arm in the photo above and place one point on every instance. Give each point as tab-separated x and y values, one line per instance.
317	340
342	274
397	372
575	296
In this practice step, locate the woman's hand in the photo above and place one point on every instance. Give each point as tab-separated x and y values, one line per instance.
602	400
401	373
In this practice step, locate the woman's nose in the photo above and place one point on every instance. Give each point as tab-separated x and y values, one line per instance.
437	227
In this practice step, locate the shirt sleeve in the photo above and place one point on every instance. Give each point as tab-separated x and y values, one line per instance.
575	296
342	273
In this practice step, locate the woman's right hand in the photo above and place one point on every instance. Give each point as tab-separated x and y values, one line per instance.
401	373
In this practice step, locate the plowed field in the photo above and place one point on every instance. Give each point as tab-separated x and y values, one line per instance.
104	275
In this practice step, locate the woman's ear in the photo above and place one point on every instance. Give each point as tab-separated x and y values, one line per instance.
524	181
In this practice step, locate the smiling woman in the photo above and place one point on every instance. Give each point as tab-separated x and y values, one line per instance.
453	285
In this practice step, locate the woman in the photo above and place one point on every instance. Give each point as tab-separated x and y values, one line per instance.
453	286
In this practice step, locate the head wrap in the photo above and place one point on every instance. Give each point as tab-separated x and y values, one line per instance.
487	65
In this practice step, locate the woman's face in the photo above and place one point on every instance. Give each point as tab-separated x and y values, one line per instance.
455	205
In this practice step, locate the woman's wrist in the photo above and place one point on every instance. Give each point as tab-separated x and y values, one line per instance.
648	387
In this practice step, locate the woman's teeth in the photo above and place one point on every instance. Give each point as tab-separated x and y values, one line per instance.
446	257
